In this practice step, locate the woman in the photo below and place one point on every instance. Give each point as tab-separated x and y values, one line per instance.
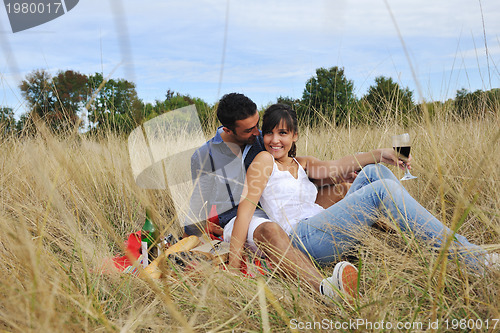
281	183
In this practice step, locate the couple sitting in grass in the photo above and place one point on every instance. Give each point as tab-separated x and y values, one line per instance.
274	206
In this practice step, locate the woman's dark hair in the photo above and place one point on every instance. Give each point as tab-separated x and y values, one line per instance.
277	113
234	107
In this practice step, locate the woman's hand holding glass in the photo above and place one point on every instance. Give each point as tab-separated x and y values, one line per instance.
402	145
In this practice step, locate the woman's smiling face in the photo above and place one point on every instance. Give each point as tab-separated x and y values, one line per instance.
279	140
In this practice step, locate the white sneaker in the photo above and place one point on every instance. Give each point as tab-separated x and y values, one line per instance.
342	284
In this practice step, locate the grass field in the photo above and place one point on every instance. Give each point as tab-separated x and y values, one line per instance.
67	205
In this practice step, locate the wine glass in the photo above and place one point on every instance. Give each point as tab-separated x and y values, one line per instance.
402	145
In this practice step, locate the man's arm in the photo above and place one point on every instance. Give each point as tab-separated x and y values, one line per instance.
344	167
199	203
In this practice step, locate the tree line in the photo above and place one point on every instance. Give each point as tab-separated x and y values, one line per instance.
329	98
71	100
64	100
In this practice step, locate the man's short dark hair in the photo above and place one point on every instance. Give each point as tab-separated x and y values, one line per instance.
234	107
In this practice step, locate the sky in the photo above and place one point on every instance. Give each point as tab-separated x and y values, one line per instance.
263	49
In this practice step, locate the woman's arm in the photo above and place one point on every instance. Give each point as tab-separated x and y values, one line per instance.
256	179
340	169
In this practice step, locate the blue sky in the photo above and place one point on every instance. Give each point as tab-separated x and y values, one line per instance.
272	47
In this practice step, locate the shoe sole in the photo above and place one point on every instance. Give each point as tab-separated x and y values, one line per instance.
347	278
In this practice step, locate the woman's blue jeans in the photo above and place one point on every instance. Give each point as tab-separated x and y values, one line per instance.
375	192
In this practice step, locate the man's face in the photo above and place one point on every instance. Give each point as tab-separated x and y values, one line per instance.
246	130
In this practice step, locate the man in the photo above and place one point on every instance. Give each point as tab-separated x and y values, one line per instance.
218	169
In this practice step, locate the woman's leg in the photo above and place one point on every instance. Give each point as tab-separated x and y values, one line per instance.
369	174
326	236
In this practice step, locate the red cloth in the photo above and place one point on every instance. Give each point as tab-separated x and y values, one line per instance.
214	217
133	245
260	266
213	224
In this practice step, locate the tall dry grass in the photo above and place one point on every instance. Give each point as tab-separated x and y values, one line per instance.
68	204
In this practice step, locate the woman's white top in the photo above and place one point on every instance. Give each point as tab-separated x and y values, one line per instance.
287	200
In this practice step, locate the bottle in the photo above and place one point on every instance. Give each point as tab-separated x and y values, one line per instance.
149	237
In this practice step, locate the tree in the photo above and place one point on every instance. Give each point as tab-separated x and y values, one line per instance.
493	100
37	90
113	104
293	102
330	94
25	125
387	98
71	91
7	121
174	100
57	100
477	103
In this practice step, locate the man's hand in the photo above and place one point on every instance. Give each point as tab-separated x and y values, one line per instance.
348	178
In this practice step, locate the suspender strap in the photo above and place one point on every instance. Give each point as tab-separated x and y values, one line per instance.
229	192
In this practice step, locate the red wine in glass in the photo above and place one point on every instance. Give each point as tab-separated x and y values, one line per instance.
403	151
402	146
